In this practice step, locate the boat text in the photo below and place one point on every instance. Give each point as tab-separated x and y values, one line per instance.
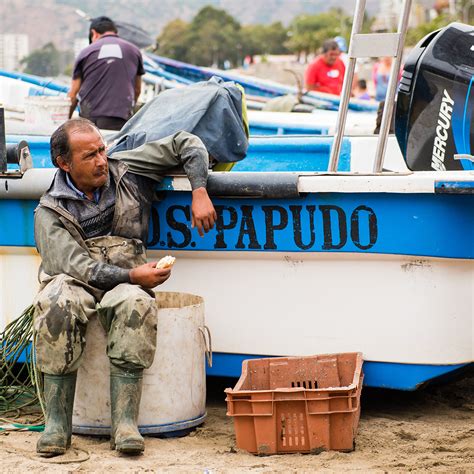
444	123
268	227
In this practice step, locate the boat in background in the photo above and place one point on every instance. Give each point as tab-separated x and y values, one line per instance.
15	88
255	87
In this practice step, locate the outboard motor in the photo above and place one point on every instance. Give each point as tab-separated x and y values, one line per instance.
434	114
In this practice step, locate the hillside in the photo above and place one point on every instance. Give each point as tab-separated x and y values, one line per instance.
56	20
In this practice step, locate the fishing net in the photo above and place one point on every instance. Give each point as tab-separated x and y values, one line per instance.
19	380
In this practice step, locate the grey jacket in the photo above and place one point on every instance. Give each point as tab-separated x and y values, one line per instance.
60	239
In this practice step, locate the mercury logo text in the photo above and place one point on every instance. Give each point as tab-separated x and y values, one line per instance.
444	123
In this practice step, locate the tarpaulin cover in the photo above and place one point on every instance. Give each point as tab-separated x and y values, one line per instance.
212	110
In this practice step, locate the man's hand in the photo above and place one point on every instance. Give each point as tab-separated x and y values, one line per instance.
72	94
148	276
203	212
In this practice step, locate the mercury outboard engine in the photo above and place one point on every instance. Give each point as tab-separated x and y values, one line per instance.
435	104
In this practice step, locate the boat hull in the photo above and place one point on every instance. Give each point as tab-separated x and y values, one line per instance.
328	272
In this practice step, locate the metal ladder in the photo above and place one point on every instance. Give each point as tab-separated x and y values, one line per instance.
365	46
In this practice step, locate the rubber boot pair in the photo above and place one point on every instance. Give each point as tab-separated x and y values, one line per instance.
59	401
125	396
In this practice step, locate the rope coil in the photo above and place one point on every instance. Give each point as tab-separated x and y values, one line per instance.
19	383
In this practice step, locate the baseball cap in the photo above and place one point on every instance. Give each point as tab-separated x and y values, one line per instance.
341	42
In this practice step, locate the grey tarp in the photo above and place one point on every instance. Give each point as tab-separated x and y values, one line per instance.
212	110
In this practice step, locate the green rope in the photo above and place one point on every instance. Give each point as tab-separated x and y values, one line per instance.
19	383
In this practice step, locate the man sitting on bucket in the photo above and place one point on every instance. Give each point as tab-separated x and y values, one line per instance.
90	229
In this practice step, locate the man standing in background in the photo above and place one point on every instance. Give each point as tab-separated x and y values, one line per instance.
107	77
326	72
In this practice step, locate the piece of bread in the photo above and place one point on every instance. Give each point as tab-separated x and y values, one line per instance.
166	262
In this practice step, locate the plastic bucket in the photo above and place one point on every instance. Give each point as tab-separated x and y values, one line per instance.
43	109
174	387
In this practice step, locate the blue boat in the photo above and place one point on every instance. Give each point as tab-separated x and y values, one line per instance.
38	85
255	87
17	86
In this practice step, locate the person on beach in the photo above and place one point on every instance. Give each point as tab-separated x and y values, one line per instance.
381	76
360	91
106	80
90	230
326	72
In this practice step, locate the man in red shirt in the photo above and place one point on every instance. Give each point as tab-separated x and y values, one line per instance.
326	72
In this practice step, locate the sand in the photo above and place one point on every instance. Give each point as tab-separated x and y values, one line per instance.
428	430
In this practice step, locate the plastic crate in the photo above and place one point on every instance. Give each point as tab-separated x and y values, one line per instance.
297	404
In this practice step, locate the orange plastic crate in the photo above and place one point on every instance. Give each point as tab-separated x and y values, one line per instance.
297	404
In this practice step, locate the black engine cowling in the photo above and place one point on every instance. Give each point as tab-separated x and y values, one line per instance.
435	104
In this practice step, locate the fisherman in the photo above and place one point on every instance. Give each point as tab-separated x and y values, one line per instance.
90	229
326	72
106	77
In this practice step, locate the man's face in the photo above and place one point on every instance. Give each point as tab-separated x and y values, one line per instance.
331	56
88	167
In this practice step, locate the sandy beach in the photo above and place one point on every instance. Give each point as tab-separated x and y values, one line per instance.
428	430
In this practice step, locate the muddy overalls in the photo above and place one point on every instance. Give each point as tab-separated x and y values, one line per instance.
128	313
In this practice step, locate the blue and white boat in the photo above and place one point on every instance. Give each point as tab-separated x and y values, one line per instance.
254	87
16	87
320	246
381	264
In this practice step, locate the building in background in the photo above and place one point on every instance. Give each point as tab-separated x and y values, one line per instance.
13	48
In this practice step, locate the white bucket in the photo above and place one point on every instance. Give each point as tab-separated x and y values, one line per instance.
46	109
174	387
